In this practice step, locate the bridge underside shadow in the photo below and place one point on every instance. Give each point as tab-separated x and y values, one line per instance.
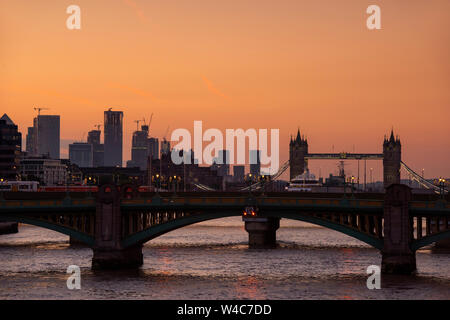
161	229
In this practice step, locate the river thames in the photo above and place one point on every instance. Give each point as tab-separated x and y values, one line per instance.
211	260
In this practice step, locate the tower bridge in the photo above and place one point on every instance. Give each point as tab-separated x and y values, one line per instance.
391	156
118	220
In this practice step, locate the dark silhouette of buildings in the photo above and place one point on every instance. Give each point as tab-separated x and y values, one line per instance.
187	175
392	151
10	149
143	147
113	124
298	149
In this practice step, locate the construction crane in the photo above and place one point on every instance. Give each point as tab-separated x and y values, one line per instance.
150	122
39	110
165	134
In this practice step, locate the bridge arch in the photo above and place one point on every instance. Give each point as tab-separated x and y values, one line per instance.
87	239
425	241
158	230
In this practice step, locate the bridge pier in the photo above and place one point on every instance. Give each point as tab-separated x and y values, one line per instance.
397	256
122	258
108	250
262	232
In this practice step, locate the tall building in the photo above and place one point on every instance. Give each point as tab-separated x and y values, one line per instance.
10	149
392	151
298	149
98	149
81	154
255	162
153	148
139	148
113	124
46	136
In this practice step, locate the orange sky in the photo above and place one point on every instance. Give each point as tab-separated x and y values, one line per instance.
239	63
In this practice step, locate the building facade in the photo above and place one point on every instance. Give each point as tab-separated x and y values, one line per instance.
49	172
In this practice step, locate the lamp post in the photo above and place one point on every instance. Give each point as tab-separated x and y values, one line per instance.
353	182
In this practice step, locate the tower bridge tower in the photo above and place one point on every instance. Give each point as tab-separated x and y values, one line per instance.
392	151
298	149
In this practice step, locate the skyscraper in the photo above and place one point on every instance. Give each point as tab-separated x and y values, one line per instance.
139	148
98	149
10	147
46	135
113	138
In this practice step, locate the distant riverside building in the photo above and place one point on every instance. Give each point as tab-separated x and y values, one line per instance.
113	124
10	149
239	173
255	162
49	172
47	135
98	149
81	154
